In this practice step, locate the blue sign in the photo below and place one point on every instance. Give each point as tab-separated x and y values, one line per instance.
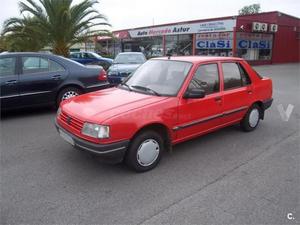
255	44
214	44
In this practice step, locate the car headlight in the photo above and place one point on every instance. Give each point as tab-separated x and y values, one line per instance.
95	130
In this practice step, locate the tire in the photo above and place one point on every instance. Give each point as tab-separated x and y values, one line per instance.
251	119
67	93
145	151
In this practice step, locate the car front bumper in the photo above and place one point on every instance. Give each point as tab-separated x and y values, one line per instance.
112	153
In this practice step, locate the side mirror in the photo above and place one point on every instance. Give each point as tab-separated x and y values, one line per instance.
194	93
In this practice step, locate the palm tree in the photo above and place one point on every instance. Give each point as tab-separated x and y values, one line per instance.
23	35
61	23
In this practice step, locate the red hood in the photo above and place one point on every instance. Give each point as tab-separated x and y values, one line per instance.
101	105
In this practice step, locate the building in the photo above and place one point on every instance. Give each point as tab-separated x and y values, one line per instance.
263	38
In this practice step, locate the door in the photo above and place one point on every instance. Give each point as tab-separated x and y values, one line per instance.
39	80
197	116
237	94
9	82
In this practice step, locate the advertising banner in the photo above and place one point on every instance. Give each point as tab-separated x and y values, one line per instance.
220	40
254	41
192	28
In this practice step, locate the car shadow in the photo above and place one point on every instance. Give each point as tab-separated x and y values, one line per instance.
26	112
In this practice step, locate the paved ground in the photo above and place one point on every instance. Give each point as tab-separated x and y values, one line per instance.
228	177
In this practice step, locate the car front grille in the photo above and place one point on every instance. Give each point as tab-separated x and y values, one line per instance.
71	121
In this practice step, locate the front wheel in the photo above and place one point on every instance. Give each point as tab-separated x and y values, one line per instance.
145	151
251	119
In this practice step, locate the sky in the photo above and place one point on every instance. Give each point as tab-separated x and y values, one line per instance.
124	14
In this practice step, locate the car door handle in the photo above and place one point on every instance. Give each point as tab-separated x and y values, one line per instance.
11	82
218	99
56	77
249	92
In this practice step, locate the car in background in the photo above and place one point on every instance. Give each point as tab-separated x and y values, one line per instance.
124	64
164	102
28	79
91	58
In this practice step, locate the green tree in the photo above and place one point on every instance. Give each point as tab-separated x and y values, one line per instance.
22	34
250	9
57	23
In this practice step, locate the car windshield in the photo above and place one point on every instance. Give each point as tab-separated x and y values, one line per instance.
129	59
159	77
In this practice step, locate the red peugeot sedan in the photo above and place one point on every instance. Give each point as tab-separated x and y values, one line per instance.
164	102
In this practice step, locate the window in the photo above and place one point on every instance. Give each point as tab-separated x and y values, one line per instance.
232	76
245	77
7	66
207	78
179	44
55	67
34	65
40	65
163	76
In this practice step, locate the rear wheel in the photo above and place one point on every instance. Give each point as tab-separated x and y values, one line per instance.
145	151
67	93
251	119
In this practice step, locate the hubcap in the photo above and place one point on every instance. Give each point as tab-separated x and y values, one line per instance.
254	118
148	152
69	94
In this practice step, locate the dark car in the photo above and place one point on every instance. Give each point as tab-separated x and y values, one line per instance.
29	79
91	58
123	65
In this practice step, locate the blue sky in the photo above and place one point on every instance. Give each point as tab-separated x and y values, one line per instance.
124	14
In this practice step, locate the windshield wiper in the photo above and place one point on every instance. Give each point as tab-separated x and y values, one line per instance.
126	85
146	89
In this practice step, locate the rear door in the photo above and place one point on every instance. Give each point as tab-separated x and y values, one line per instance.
9	82
237	92
40	79
197	116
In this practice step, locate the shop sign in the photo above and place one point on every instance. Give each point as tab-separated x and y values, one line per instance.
192	28
215	36
254	41
214	44
255	44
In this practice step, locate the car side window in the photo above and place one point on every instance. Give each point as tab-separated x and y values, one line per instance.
232	76
207	78
7	66
55	67
245	77
34	65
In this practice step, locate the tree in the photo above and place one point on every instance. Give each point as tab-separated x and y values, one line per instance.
23	35
250	9
56	23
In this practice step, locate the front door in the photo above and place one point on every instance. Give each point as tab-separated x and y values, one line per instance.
197	116
9	82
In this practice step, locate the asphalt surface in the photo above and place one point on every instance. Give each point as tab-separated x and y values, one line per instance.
227	177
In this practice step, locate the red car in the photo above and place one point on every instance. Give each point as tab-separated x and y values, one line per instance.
164	102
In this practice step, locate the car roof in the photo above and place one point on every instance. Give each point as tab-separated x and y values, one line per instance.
130	53
198	59
26	53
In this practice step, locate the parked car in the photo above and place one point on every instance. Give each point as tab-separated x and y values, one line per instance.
166	101
91	58
29	79
123	65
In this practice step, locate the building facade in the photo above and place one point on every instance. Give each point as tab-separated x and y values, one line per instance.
263	38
